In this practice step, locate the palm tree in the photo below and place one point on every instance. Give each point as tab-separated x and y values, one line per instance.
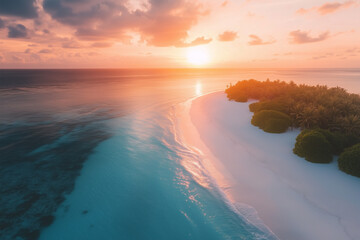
350	124
308	118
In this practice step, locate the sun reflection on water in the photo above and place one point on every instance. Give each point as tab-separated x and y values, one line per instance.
198	89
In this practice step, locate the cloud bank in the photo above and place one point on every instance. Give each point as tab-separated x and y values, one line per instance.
327	8
160	23
301	37
19	8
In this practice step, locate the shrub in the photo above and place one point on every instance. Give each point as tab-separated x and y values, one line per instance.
253	107
268	105
241	98
350	140
298	150
271	121
349	161
238	95
275	125
337	140
313	146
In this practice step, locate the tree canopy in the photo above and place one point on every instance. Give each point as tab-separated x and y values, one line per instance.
329	117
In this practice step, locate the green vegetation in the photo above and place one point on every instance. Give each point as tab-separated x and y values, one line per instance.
349	160
268	105
313	146
271	121
308	106
329	117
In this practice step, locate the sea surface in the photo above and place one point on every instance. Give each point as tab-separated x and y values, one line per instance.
92	154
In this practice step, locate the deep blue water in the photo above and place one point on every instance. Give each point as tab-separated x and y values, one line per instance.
91	154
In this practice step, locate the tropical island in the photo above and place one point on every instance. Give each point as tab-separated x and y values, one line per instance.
328	117
258	171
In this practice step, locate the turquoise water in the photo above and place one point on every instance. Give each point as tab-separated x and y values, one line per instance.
99	157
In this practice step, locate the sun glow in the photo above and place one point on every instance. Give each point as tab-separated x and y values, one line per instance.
198	55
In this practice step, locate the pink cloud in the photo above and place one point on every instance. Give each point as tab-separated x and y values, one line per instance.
227	36
101	44
327	8
71	44
333	7
256	40
44	51
196	42
303	11
301	37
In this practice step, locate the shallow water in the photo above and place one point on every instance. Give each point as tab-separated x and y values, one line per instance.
91	154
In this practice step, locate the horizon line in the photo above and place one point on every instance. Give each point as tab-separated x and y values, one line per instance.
188	68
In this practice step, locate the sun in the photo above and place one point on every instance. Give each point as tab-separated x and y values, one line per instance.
198	55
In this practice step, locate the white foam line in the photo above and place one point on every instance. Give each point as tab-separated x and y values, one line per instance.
181	112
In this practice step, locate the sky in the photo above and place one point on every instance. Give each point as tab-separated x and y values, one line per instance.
179	33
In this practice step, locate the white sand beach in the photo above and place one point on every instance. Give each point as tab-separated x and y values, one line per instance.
296	199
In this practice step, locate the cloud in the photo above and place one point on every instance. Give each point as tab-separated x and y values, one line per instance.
303	11
353	50
71	44
256	40
162	23
16	58
17	31
284	54
45	51
323	56
196	42
301	37
319	57
332	7
2	23
35	57
101	44
92	54
168	22
227	36
19	8
327	8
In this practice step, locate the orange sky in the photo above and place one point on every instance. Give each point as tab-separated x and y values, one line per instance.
172	33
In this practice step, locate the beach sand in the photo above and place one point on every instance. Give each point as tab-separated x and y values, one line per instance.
296	199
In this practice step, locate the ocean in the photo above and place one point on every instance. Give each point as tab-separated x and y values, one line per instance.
93	154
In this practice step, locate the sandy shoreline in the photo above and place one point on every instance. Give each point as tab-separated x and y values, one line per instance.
297	200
